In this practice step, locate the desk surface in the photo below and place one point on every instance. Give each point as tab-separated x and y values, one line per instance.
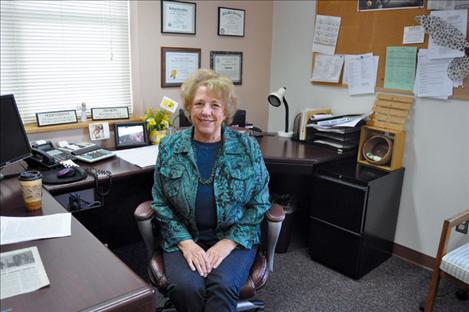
83	273
280	155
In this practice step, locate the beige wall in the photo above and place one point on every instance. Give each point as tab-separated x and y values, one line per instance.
147	41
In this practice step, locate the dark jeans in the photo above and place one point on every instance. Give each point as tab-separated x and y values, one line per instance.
219	291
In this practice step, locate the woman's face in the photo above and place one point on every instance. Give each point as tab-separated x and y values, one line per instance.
207	114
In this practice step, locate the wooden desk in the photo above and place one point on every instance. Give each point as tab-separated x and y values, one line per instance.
282	155
84	275
290	163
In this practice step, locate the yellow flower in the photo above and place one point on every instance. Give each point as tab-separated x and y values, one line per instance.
157	119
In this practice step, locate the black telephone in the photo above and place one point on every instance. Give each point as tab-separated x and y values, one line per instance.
45	154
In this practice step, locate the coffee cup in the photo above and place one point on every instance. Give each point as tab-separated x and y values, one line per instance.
31	186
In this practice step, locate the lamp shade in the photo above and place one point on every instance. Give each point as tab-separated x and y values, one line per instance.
275	98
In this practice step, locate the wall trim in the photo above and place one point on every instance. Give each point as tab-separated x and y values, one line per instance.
413	256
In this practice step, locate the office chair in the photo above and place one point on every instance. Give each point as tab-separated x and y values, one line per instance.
239	119
259	271
453	265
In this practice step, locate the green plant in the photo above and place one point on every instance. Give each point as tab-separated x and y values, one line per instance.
157	119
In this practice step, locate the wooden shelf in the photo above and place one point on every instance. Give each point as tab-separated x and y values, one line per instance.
33	128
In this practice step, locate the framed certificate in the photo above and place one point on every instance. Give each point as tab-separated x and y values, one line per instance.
177	64
105	113
178	17
231	22
56	118
229	64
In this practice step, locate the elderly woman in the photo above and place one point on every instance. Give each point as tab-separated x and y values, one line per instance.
210	194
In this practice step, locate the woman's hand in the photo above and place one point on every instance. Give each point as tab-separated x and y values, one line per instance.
196	257
220	251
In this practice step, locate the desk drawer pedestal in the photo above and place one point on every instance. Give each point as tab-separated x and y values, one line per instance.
352	216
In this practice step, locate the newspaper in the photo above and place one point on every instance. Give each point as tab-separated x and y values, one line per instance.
21	272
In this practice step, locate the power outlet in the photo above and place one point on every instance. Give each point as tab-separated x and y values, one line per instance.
462	228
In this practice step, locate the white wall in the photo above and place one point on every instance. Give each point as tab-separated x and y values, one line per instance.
436	183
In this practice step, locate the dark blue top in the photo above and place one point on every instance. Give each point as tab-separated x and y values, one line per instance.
205	207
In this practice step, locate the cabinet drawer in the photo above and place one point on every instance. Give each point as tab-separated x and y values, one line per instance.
334	247
339	202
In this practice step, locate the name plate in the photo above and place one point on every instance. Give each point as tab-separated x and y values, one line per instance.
56	118
106	113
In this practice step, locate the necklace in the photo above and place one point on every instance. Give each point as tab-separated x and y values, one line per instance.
210	178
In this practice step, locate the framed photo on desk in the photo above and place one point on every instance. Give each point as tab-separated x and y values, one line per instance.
131	134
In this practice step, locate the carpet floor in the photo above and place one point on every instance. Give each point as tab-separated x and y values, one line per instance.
300	284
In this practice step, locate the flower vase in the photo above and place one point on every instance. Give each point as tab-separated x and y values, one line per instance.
157	135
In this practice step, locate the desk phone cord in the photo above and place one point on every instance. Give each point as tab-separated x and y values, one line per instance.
101	189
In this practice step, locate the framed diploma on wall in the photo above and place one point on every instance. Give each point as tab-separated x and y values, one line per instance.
229	64
177	64
178	17
231	22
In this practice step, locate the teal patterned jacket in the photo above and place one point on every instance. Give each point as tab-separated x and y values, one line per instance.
240	187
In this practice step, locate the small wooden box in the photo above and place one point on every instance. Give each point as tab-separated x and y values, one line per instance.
388	119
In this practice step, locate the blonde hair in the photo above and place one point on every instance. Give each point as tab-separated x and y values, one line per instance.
220	85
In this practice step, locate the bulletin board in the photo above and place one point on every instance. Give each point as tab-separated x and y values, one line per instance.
373	31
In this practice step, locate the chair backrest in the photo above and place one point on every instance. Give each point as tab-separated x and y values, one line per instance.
239	119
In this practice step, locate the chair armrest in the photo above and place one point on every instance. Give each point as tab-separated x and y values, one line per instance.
276	213
144	215
274	217
144	211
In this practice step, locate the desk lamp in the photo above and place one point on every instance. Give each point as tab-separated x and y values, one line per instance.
275	99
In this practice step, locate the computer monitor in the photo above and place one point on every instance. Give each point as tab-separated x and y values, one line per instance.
14	144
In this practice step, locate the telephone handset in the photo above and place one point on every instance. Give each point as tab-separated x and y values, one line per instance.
45	154
42	158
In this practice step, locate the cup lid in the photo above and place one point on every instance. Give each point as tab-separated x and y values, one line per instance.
30	175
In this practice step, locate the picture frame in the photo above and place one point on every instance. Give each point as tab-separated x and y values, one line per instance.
99	131
229	64
109	113
178	17
56	118
177	64
130	134
231	22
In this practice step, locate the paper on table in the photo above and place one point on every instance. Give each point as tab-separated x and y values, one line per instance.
400	68
325	34
327	68
457	18
21	229
22	272
140	156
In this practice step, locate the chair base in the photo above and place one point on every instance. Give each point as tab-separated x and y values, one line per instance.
243	305
250	305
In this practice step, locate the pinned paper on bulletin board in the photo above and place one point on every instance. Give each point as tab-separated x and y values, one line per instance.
373	32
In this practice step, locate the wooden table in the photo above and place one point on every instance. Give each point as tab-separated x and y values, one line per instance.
84	275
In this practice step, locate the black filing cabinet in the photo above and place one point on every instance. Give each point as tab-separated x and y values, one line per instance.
353	215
